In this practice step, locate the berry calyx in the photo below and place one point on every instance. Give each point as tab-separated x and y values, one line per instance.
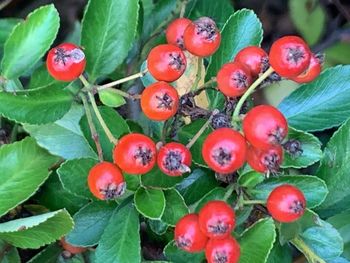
289	56
202	37
70	248
174	159
254	58
311	72
216	219
222	250
188	235
224	150
175	31
106	181
166	62
159	101
265	126
286	203
265	161
135	153
234	79
66	62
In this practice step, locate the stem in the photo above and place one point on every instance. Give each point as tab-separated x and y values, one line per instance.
304	248
229	192
201	130
94	134
250	90
199	73
119	81
110	136
253	202
183	8
4	4
84	81
123	93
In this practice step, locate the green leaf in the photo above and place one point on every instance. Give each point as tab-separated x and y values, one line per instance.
42	79
108	31
176	255
73	175
36	106
280	254
342	223
47	255
64	137
6	27
250	179
334	170
257	241
111	99
325	101
175	207
150	202
120	241
217	193
90	222
311	150
242	29
196	185
309	18
24	167
116	124
36	231
157	226
314	189
9	253
157	179
29	41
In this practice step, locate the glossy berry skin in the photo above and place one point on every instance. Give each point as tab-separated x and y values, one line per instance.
106	181
222	250
66	62
311	72
188	235
286	203
175	32
254	58
234	79
166	62
224	150
289	56
174	159
265	126
135	153
159	101
217	219
265	161
202	37
70	248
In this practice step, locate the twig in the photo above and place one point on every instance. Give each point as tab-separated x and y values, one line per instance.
342	9
4	4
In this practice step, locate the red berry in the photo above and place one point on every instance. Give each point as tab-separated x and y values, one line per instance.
188	235
106	181
70	248
311	72
222	250
217	219
202	37
135	153
289	56
286	203
265	161
159	101
254	58
233	79
265	126
166	62
175	32
66	62
174	159
224	150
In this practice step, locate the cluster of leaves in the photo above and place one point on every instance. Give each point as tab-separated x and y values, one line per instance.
59	152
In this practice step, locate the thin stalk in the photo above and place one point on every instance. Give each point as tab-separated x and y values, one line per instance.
304	248
120	81
229	192
183	8
253	202
123	93
84	81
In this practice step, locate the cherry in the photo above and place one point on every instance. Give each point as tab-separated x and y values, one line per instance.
66	62
224	150
311	72
286	203
216	219
135	153
166	62
222	250
254	58
175	32
234	79
106	181
188	235
174	159
265	161
202	37
265	126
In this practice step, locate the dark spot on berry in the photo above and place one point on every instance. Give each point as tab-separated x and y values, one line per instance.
220	257
220	120
173	161
218	228
226	178
61	56
240	79
165	101
113	191
293	147
206	27
297	207
276	136
222	156
180	42
271	162
176	62
183	242
295	54
143	155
